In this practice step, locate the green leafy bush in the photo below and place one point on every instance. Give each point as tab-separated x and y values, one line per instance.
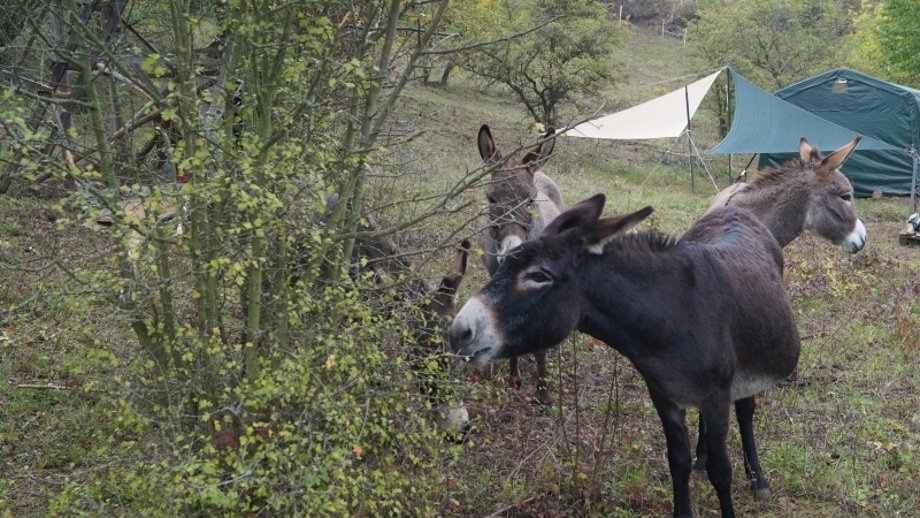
271	369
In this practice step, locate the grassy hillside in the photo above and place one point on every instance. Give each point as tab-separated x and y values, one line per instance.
841	442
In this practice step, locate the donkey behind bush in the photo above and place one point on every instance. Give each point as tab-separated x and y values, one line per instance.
522	201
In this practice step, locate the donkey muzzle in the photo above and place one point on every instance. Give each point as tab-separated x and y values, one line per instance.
856	240
473	333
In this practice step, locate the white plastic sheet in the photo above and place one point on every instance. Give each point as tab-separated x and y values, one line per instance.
662	117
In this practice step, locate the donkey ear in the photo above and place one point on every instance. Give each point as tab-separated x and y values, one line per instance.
549	142
542	151
807	152
447	290
487	148
584	213
837	158
458	267
605	230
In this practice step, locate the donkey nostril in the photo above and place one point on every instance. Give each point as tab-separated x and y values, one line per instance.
460	336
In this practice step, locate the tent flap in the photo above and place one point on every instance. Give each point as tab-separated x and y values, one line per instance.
872	107
662	117
764	123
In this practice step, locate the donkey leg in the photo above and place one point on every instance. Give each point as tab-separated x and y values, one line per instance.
700	463
744	411
679	460
514	375
718	465
543	394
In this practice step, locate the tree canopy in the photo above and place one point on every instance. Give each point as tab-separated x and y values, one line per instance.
773	42
546	53
899	39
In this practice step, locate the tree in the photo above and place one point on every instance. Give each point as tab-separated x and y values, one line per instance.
773	42
866	53
12	21
899	39
546	53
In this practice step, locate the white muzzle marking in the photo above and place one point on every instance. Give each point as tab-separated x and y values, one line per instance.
508	244
856	240
474	333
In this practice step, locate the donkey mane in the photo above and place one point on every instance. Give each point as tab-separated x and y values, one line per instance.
770	176
648	240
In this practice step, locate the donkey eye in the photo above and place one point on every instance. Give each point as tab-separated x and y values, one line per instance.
846	197
538	277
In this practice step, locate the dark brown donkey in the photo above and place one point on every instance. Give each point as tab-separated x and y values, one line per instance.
807	193
522	201
704	319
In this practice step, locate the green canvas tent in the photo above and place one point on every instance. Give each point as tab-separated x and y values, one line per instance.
763	123
871	107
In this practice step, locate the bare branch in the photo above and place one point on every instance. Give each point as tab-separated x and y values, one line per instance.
491	42
49	386
145	41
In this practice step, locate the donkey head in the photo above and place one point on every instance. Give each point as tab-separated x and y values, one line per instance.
443	300
831	209
511	191
437	311
532	302
437	308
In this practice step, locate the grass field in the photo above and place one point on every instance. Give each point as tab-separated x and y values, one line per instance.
843	441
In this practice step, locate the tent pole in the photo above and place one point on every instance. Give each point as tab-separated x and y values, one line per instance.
728	111
689	139
913	183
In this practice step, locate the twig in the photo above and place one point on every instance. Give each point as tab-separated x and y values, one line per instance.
613	407
140	37
134	124
41	88
819	334
507	508
50	386
477	45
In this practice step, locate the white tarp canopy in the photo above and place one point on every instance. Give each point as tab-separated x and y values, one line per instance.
662	117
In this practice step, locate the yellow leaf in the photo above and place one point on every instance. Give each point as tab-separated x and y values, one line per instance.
358	450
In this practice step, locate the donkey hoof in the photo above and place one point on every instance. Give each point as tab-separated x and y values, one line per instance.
763	494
